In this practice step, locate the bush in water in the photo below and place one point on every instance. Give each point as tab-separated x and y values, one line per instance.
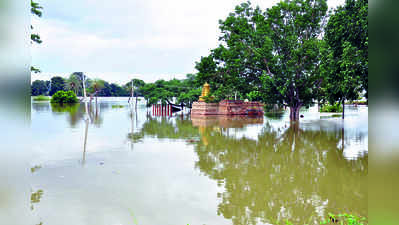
64	97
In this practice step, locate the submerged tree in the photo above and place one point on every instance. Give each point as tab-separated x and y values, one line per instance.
345	59
276	52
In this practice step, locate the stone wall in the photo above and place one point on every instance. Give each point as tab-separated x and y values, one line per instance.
203	108
227	107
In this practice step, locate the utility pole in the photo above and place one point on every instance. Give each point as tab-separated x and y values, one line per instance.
132	92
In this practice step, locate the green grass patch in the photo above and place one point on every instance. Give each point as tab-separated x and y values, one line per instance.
41	98
117	106
331	108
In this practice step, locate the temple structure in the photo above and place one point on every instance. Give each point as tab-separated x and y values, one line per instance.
225	107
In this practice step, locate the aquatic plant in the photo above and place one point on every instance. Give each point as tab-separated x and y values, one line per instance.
344	219
341	219
64	97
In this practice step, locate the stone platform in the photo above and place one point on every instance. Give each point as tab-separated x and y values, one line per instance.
227	107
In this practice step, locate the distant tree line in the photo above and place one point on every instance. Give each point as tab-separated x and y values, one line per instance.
184	91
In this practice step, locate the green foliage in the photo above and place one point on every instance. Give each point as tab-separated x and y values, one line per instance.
35	70
206	70
36	10
185	91
64	97
254	96
39	87
41	98
336	107
72	109
276	52
57	84
117	106
96	86
345	54
189	97
344	219
74	83
210	99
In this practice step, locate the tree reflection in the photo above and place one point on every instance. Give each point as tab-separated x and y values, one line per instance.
35	197
164	127
76	113
286	174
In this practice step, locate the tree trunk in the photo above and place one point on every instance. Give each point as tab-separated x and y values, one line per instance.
294	113
343	109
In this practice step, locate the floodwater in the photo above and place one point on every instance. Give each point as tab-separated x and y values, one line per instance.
127	166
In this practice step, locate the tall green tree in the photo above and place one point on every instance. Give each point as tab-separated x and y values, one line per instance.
345	60
39	87
57	84
96	86
134	86
74	84
294	78
276	51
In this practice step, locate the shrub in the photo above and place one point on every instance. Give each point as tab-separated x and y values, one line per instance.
64	97
331	108
254	96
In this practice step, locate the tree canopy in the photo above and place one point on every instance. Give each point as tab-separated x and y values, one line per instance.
345	60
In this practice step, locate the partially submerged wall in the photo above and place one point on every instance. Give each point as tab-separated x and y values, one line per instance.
227	107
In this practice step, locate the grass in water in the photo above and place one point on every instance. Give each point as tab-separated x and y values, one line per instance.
117	106
41	98
341	219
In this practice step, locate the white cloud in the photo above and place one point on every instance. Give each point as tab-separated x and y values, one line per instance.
119	38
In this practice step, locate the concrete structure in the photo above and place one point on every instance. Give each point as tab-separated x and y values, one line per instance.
227	107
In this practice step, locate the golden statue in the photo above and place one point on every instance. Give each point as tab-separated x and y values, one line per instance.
205	92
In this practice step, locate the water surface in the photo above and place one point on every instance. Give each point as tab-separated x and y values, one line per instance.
138	168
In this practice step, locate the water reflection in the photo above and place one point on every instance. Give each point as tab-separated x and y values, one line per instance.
266	169
35	197
288	174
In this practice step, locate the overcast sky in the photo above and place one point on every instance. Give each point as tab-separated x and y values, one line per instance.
117	40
